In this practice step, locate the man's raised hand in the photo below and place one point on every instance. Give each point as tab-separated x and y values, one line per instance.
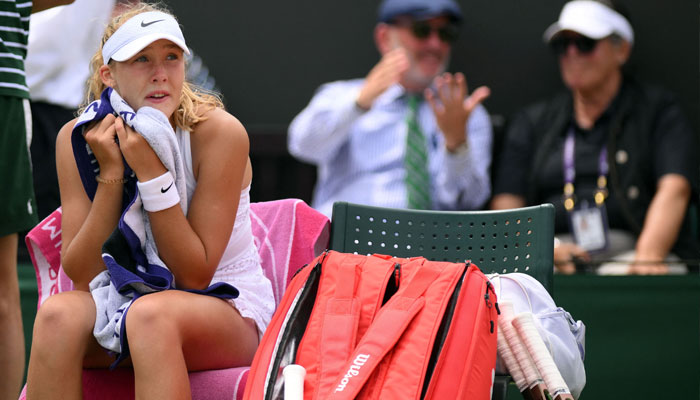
387	72
452	106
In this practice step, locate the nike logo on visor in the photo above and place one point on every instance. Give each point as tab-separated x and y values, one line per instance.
145	24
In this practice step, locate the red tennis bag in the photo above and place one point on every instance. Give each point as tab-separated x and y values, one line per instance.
378	327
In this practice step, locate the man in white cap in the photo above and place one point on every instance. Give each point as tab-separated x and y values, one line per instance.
617	158
376	142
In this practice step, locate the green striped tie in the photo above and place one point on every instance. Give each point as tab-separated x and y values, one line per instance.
416	160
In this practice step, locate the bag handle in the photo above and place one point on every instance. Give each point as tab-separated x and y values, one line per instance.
339	329
390	323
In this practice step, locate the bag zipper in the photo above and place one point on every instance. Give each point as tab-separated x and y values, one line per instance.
489	304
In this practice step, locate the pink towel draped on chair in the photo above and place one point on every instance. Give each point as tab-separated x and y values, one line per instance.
288	234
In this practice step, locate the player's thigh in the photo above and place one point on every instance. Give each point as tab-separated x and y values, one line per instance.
210	330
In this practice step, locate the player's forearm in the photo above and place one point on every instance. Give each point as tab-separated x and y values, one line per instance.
81	255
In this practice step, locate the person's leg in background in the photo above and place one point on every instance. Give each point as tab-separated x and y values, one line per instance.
11	332
47	120
17	214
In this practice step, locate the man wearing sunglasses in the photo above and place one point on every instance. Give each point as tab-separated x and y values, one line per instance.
363	134
616	157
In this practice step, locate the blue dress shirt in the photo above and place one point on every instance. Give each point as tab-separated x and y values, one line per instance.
359	154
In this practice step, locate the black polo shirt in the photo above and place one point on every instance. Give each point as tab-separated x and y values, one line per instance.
671	143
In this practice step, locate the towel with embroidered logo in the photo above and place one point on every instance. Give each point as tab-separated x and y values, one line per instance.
130	254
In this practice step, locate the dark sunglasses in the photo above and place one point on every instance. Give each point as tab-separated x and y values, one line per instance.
422	30
583	44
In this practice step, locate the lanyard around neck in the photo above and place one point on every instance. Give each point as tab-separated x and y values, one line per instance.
570	172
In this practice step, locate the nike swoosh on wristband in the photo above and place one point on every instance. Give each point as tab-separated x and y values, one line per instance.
167	188
145	24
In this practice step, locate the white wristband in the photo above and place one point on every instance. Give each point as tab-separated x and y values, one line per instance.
158	193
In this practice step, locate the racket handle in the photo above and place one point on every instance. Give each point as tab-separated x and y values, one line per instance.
517	347
294	375
510	361
524	323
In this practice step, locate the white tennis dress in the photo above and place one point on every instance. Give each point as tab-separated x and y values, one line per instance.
240	263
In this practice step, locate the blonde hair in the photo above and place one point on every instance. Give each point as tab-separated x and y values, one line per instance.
193	100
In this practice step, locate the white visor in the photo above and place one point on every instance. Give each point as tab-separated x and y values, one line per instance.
592	19
140	31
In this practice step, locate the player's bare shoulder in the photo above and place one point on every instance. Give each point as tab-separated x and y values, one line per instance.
220	129
63	137
218	121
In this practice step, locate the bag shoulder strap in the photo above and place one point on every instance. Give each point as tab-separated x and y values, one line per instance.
339	329
390	323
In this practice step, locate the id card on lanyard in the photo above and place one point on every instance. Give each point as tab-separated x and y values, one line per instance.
588	220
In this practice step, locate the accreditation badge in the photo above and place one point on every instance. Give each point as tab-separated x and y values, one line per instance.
589	226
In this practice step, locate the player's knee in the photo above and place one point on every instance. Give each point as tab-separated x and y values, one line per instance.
147	317
58	317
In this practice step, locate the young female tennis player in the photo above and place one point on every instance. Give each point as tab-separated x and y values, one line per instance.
169	332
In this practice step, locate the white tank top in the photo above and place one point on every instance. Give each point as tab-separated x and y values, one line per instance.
242	237
240	264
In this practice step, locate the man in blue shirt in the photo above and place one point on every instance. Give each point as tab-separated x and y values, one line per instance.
356	132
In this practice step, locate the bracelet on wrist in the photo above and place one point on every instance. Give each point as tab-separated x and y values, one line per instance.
100	179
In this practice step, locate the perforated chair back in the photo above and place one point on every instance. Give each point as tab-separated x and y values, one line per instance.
517	240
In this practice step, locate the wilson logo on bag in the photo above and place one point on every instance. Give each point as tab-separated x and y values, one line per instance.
354	370
378	327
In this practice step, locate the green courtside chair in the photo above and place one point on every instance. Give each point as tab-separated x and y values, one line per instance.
517	240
